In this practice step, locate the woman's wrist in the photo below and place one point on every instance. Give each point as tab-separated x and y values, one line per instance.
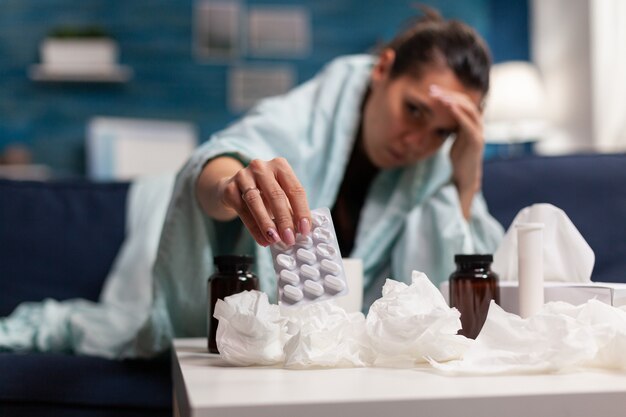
466	196
210	187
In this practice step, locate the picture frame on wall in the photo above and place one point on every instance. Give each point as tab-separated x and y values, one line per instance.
249	83
279	31
217	31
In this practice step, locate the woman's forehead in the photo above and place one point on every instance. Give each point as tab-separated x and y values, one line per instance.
443	77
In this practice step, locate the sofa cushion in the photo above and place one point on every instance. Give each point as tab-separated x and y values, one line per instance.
57	239
591	189
56	381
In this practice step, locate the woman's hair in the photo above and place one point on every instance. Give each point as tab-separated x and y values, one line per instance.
432	40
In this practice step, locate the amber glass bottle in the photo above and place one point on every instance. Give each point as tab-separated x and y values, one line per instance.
472	287
232	276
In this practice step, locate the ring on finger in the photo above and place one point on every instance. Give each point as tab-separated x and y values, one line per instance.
247	190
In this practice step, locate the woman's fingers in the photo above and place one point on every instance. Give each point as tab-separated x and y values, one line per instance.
232	197
250	222
253	206
466	113
270	201
296	196
256	206
469	125
276	198
463	109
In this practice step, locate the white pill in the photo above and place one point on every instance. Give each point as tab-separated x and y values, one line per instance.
309	272
313	289
286	261
282	247
330	266
306	256
334	284
326	251
292	293
322	235
289	277
304	241
319	220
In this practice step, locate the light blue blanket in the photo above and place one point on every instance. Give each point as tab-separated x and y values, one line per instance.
411	219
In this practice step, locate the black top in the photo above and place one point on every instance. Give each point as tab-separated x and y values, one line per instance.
346	212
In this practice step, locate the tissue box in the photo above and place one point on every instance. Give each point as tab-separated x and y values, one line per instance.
570	292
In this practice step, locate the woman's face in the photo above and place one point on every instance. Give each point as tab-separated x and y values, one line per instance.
403	122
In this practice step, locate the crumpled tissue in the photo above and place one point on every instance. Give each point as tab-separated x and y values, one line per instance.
408	324
411	323
251	331
566	254
561	337
325	335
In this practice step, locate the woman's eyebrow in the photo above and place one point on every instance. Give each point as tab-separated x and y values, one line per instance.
422	106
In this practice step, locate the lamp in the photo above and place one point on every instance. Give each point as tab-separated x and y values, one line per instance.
515	111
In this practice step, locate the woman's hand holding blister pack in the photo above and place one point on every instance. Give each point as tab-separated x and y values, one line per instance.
269	199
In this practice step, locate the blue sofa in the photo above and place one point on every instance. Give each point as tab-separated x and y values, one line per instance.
59	239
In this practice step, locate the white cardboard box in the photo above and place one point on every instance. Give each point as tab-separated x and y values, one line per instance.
125	148
574	293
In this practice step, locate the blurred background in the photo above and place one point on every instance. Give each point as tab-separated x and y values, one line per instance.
109	89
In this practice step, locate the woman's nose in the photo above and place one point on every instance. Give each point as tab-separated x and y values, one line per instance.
414	139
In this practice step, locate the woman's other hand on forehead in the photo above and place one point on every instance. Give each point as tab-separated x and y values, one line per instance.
467	152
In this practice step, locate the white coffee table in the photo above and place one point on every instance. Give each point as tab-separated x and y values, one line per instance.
204	385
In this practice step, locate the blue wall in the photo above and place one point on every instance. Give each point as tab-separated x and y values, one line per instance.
155	39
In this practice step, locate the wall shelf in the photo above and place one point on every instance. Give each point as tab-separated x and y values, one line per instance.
113	74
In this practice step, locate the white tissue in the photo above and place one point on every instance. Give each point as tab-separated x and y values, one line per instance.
325	335
561	337
411	323
250	331
566	254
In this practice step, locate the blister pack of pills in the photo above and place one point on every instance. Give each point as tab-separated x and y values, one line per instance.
312	269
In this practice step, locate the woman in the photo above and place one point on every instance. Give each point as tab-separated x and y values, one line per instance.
392	144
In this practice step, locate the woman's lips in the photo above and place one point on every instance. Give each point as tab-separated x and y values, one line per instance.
397	156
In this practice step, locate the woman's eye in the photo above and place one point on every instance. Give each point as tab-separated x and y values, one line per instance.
444	134
413	110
